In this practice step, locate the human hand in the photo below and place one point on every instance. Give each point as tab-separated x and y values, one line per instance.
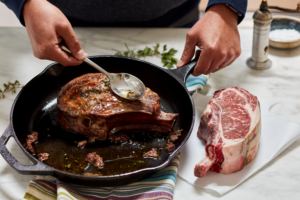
217	36
47	26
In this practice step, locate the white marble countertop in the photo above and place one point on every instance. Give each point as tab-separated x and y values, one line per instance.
280	179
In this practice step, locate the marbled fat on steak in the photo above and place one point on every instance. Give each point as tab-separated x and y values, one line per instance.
88	106
231	127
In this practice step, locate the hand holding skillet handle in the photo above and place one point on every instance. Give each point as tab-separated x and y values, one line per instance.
122	84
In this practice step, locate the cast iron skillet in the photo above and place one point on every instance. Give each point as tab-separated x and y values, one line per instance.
34	109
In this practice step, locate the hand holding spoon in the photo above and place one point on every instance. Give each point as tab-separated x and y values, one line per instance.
124	85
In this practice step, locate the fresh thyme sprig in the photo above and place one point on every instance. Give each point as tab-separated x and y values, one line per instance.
10	87
167	56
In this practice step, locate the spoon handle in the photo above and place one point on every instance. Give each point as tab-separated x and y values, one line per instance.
97	67
88	61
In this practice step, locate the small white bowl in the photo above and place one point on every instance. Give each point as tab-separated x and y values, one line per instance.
285	22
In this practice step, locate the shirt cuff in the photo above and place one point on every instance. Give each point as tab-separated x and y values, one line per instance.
237	6
16	6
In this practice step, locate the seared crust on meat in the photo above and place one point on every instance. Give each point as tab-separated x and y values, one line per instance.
82	143
88	106
31	139
174	134
91	174
169	146
43	156
152	153
95	159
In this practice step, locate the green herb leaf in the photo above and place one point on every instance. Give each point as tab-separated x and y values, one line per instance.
164	60
147	50
69	165
172	52
156	52
169	65
165	47
174	60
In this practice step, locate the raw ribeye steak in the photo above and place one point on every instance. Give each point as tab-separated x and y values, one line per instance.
88	106
230	126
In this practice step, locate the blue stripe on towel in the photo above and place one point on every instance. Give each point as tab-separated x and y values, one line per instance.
194	83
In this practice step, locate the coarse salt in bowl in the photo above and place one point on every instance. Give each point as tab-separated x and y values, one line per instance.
285	32
284	35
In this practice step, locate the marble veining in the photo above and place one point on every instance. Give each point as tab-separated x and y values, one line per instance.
280	179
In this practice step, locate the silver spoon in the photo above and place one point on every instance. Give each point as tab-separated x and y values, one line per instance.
124	85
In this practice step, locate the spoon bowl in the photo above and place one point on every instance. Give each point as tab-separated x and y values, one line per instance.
127	86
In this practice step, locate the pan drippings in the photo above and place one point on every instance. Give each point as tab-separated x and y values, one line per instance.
119	158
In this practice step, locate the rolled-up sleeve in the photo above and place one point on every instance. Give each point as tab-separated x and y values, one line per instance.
237	5
16	6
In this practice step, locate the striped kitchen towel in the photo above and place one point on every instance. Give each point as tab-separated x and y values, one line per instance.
159	186
196	83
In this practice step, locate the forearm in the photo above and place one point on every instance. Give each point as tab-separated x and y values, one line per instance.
16	6
239	5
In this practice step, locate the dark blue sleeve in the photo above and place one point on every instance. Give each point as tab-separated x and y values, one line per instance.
238	5
16	6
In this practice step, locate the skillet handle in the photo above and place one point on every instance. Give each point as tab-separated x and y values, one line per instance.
183	72
37	168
